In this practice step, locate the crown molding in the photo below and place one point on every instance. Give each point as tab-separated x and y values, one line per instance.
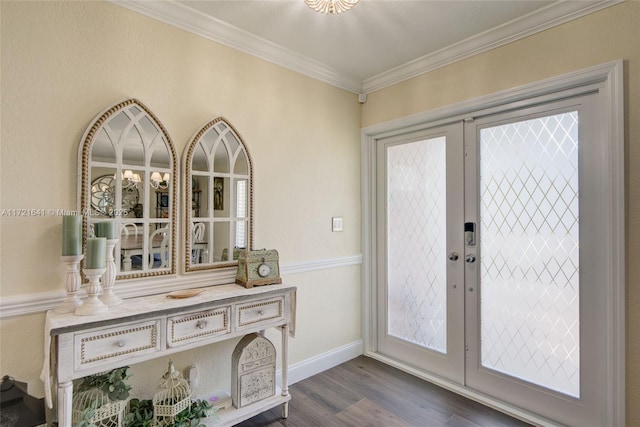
553	15
180	16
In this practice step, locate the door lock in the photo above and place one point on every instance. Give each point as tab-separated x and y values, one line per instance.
470	233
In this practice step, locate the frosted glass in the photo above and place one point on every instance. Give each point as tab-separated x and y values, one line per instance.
416	242
529	247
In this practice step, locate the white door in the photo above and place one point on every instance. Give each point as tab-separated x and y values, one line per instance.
420	192
489	263
535	273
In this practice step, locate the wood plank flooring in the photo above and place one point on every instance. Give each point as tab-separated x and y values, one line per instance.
366	393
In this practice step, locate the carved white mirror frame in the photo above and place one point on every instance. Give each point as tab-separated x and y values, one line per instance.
218	197
129	145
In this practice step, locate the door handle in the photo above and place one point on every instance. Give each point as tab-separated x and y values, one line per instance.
470	258
453	256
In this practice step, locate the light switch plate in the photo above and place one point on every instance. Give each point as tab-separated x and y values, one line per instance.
336	223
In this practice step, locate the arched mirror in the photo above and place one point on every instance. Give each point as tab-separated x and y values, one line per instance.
128	177
218	197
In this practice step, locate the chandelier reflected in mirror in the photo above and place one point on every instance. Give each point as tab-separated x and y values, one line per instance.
331	7
160	181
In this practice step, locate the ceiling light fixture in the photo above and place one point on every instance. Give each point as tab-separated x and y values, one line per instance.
331	7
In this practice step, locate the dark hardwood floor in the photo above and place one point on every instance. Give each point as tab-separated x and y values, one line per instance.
365	392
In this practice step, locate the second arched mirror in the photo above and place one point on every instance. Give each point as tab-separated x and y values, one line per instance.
218	197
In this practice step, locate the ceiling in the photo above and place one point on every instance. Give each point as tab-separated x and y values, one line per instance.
376	44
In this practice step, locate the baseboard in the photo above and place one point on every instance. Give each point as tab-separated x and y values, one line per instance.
312	366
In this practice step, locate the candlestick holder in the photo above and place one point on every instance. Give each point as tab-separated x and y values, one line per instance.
109	278
92	305
72	285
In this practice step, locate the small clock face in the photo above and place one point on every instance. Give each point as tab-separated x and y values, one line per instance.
264	270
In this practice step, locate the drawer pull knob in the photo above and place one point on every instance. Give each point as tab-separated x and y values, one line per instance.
120	343
260	312
201	324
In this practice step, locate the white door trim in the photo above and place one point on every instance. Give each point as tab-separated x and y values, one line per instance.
609	76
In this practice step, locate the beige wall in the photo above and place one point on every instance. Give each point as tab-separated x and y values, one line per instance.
64	62
608	35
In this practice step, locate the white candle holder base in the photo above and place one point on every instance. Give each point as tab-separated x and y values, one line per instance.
72	285
92	305
109	278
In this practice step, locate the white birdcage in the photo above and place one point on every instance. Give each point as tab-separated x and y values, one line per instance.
94	407
173	397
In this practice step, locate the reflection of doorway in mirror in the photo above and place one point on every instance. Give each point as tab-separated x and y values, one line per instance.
218	193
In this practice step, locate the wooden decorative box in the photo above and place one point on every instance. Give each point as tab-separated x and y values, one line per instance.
256	268
253	370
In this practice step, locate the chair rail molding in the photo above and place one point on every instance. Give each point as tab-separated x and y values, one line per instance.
22	305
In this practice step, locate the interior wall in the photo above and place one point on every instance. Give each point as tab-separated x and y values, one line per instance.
64	62
608	35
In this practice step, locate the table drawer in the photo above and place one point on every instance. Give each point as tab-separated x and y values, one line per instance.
187	328
119	343
255	313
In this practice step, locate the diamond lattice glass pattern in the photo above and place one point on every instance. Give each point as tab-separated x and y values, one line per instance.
416	242
529	250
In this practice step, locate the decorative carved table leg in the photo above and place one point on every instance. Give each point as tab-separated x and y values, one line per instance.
65	396
285	369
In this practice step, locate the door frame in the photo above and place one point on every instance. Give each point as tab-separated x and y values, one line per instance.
606	78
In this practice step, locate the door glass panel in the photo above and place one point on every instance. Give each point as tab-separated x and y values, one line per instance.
416	242
529	246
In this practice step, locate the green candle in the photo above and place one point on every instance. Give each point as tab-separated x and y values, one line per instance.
106	229
96	252
71	235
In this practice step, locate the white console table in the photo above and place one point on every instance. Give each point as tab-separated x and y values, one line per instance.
155	326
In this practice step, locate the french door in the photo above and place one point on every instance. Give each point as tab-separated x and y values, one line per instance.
490	267
421	305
